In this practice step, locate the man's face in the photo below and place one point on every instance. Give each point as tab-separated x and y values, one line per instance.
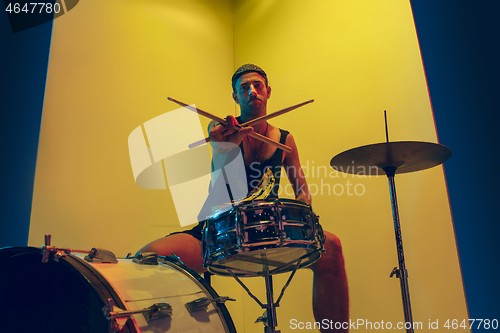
251	93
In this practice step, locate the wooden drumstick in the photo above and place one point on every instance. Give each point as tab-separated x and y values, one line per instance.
256	121
199	111
221	120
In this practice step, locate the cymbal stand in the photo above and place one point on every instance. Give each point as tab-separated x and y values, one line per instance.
400	273
391	158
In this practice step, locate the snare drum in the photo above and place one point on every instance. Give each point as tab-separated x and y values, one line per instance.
69	295
262	236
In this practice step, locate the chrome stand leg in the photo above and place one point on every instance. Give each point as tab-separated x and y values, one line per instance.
271	310
403	273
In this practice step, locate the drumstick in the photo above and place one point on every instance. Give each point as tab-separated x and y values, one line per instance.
199	111
256	121
220	120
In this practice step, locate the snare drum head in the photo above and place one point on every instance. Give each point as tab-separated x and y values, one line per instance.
68	296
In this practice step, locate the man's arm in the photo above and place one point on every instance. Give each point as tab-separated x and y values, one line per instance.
225	138
225	142
294	172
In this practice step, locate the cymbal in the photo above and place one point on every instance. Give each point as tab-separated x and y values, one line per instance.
406	156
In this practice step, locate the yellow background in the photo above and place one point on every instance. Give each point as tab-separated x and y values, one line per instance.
112	66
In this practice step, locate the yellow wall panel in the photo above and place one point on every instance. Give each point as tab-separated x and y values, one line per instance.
112	66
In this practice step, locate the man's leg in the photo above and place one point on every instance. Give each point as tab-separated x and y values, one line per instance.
184	246
330	292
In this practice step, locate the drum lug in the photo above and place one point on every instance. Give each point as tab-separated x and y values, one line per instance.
58	255
47	250
201	304
118	317
146	258
101	256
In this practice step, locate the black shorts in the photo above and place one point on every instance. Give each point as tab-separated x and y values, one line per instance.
195	232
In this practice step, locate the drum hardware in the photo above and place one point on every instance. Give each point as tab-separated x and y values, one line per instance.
152	258
102	256
395	271
269	318
261	319
207	276
391	158
175	258
272	321
118	317
94	255
246	288
146	258
201	304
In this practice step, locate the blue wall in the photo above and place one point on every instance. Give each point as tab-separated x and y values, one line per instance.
459	44
23	71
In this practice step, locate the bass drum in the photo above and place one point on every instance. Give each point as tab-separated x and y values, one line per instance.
69	295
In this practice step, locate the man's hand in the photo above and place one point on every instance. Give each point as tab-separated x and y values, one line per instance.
226	136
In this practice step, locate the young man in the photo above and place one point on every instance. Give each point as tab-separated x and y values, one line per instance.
251	92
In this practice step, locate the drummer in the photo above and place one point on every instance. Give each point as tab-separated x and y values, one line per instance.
251	92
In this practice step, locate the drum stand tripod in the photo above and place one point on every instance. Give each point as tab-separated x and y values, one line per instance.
269	318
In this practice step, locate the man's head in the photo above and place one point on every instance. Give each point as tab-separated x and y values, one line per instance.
251	90
246	69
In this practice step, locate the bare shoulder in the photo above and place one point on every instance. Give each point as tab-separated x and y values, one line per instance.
290	140
292	157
